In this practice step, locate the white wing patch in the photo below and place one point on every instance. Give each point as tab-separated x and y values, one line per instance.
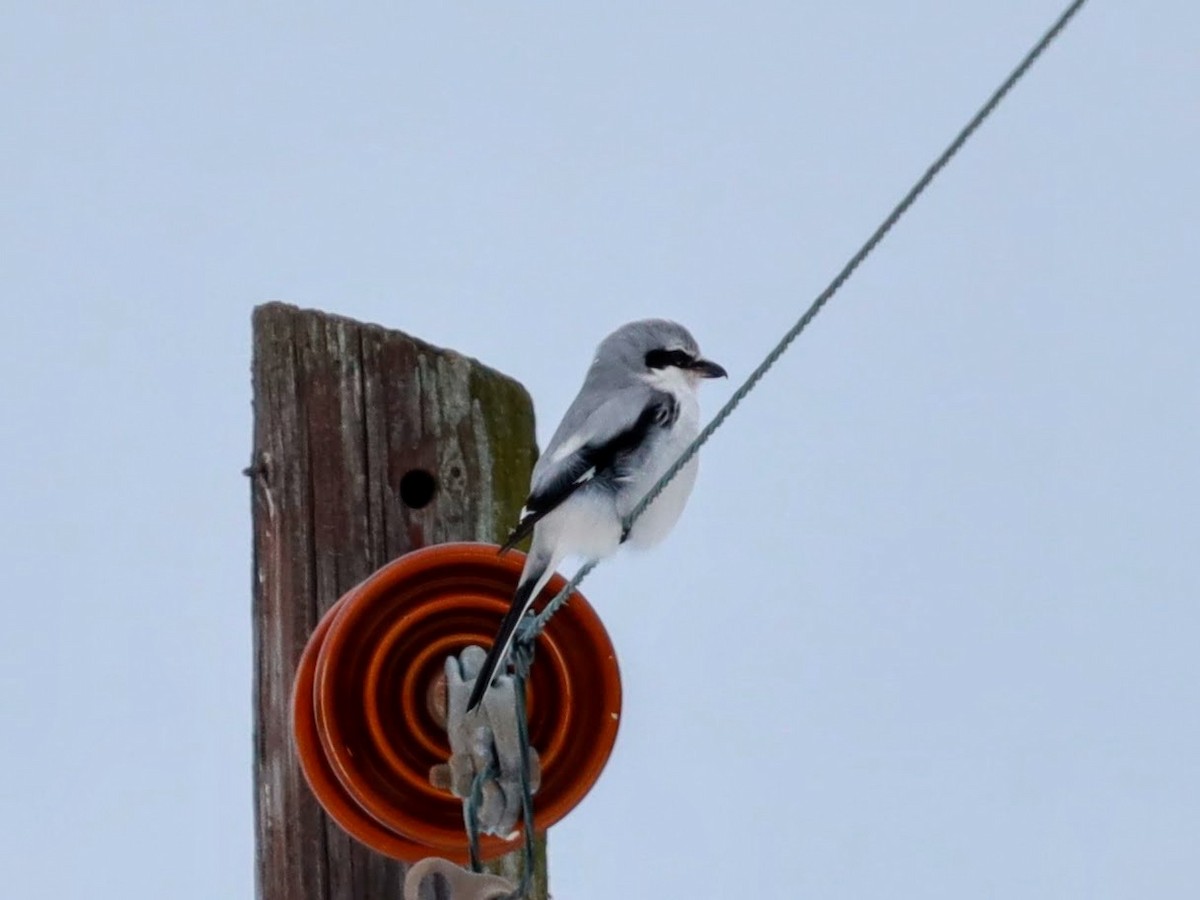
568	447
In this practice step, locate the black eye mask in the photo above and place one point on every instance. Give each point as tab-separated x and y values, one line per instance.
660	359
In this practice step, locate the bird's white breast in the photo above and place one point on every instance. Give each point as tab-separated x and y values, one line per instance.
660	517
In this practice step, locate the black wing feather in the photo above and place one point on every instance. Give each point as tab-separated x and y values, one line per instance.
661	412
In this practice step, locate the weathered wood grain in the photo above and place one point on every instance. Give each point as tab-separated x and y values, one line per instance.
342	412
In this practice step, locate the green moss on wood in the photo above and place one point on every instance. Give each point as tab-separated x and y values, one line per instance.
507	413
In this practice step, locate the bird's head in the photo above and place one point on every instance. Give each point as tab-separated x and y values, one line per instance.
660	351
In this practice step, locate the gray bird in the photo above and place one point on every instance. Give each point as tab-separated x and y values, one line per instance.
635	414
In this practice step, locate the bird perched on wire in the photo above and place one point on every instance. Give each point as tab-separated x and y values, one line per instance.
634	416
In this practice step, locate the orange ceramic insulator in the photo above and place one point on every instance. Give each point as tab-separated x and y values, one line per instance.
364	731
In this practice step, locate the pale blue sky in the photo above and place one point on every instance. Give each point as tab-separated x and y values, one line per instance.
930	626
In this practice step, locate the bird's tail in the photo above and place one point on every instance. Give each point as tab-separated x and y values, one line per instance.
538	570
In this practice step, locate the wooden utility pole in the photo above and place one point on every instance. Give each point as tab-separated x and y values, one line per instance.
367	444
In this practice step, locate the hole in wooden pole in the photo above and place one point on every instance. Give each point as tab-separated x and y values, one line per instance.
417	488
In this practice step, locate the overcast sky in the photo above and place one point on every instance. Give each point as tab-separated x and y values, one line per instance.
929	628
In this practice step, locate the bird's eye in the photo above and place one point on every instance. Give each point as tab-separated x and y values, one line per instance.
661	358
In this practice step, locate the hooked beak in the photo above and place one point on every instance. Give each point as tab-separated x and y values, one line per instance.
706	368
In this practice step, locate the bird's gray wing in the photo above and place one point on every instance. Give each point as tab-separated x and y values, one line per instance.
590	443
